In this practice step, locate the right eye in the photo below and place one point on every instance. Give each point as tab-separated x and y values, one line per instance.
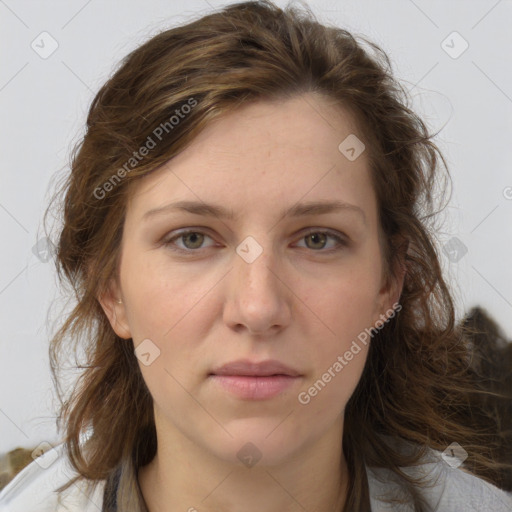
192	240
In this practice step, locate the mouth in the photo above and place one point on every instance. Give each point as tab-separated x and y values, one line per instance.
255	388
255	381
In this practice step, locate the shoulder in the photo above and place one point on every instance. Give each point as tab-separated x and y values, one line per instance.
34	488
461	487
449	487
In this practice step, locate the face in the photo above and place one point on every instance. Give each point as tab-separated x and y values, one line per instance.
260	285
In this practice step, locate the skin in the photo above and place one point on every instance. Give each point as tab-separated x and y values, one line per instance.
302	301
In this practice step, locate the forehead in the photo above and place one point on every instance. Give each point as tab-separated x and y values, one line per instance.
263	155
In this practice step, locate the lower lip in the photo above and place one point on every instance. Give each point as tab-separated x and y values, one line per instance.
255	388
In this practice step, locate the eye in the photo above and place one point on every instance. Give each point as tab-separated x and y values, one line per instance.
192	239
319	240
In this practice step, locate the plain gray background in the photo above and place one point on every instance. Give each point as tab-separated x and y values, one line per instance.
44	100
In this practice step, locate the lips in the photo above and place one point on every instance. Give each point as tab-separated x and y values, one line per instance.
248	380
245	367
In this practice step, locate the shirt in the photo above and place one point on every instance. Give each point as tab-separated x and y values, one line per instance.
452	489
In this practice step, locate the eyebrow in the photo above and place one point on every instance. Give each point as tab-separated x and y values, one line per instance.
220	212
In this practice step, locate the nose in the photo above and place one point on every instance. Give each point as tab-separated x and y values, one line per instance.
258	297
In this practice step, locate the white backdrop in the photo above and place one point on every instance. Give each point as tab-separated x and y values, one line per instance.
56	54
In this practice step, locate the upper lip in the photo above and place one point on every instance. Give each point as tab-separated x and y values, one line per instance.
250	368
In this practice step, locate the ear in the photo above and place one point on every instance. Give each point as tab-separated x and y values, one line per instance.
114	310
389	295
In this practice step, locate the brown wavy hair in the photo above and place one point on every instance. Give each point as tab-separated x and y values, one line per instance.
417	385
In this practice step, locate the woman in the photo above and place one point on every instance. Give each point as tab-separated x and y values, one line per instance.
262	308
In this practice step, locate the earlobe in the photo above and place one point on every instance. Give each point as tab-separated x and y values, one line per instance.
115	311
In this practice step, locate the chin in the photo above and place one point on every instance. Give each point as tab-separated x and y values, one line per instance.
257	442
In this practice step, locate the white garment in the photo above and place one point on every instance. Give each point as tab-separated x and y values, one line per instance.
32	490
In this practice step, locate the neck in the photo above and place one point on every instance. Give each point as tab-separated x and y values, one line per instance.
183	477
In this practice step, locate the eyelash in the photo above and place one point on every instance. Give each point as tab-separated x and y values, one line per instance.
342	243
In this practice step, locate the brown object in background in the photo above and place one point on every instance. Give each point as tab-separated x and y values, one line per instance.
492	364
12	463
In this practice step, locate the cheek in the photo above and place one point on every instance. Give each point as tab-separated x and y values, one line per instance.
346	305
340	351
328	391
162	299
346	308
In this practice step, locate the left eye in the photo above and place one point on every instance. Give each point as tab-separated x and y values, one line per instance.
321	237
193	240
